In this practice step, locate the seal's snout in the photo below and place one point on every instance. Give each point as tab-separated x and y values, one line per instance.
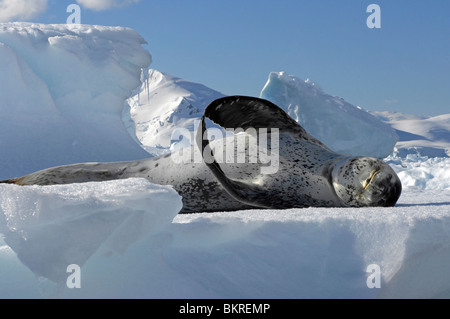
383	190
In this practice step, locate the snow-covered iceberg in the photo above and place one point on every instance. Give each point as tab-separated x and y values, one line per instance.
338	124
163	104
62	92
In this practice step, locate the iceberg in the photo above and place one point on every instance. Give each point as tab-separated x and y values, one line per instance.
341	126
62	94
162	105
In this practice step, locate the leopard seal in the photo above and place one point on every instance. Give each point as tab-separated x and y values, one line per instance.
309	174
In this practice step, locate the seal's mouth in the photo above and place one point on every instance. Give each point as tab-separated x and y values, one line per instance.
369	180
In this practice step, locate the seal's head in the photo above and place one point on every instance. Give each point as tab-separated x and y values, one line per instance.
365	181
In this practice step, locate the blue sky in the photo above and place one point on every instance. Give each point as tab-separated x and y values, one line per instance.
233	45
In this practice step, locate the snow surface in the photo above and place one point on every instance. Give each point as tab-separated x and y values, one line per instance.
63	102
62	92
297	253
344	128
